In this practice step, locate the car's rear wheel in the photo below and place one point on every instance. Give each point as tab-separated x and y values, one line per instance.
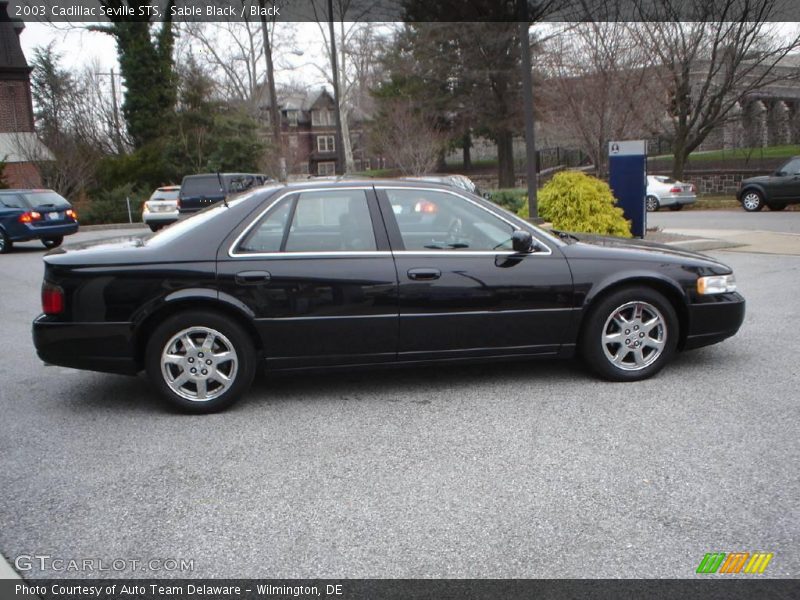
773	206
676	207
651	204
200	361
630	335
5	243
53	242
752	201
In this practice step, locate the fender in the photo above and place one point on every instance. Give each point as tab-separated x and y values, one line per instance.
634	276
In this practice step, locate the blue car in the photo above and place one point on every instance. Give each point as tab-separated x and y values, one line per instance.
35	215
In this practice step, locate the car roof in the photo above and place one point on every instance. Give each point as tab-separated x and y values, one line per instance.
168	188
27	191
345	183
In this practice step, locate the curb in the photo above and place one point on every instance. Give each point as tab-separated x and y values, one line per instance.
112	226
701	244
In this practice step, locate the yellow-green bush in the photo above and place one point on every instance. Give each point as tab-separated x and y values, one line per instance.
574	201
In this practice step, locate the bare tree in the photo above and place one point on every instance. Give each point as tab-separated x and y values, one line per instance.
596	88
709	57
408	135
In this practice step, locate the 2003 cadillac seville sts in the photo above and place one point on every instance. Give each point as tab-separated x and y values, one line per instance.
348	274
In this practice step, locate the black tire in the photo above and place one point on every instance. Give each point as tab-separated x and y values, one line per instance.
597	352
53	242
154	227
651	204
241	370
776	207
752	200
676	207
5	243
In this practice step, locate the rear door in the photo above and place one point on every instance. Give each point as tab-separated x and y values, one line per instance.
315	269
463	291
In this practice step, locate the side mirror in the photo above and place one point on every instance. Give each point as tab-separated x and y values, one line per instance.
522	241
779	173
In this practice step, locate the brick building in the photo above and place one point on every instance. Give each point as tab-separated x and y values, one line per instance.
308	127
19	146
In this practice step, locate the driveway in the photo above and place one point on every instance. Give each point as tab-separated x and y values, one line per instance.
506	470
766	220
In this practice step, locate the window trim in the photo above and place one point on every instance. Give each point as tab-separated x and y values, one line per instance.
327	163
330	143
234	247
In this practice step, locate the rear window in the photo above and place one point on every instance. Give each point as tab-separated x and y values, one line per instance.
663	179
32	200
199	186
168	195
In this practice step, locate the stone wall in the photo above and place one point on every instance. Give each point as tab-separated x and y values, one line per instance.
716	182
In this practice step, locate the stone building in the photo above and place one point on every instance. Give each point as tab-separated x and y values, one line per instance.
20	149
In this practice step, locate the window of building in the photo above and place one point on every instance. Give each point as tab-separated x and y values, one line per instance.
291	116
326	143
293	142
322	117
326	168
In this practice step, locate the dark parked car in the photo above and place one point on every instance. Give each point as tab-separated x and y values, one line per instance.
775	191
347	274
201	191
35	215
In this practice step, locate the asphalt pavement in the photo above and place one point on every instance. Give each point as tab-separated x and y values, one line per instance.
507	470
765	220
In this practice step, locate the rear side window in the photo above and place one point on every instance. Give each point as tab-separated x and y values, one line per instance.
318	221
12	201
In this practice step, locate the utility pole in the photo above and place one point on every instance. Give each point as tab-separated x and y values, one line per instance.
274	112
335	66
527	98
115	108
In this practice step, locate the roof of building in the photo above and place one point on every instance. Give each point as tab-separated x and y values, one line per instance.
23	146
11	55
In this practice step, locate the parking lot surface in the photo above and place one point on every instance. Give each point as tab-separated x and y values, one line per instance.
504	470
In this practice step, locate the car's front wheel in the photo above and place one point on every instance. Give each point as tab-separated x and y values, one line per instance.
53	242
630	335
5	243
651	204
752	201
200	361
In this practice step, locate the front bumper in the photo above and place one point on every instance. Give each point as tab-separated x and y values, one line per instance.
106	347
712	321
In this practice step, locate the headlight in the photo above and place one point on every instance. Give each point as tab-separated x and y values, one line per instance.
716	284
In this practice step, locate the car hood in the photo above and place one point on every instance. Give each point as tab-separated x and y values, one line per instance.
615	248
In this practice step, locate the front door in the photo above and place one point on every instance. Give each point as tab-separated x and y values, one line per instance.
317	273
463	291
786	187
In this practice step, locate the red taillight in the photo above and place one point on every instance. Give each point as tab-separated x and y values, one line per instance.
30	217
52	299
72	214
675	190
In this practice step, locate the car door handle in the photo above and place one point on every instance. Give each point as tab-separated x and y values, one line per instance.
424	274
252	277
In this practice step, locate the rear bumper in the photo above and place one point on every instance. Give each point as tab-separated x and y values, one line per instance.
30	232
106	347
674	200
154	217
714	321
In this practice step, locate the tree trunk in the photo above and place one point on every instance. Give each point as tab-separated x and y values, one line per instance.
467	145
441	162
679	160
505	159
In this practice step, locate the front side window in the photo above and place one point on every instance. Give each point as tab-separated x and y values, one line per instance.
430	220
318	221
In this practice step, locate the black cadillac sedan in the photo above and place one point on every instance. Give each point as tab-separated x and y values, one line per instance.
350	274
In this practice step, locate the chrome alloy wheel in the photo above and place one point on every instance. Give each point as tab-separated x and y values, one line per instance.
651	204
634	336
751	201
199	364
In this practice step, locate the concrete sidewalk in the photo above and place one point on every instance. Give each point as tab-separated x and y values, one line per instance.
738	240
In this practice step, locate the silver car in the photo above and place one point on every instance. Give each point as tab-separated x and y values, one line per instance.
666	191
162	207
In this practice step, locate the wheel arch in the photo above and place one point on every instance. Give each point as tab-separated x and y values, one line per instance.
753	187
197	299
666	287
